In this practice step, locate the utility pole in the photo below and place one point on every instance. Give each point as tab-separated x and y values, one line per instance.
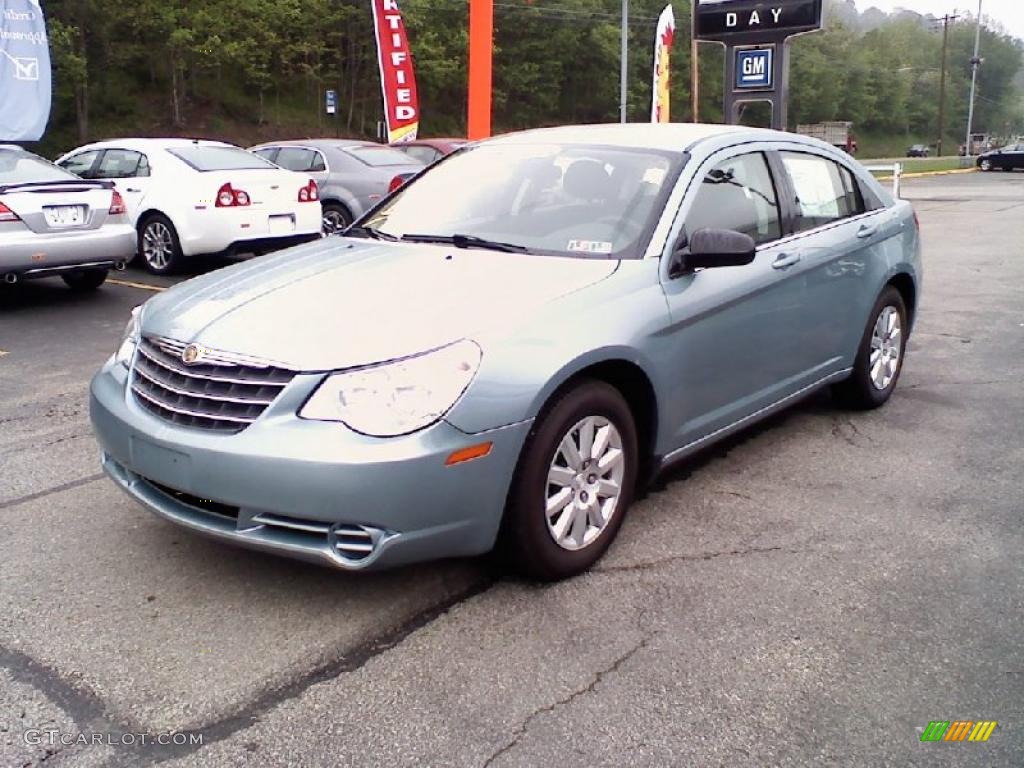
624	65
975	63
942	80
694	65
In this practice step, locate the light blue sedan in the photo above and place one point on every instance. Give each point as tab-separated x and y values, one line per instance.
504	351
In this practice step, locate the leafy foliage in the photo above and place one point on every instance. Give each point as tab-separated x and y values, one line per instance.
252	69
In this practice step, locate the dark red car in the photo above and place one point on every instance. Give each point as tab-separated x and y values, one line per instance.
429	150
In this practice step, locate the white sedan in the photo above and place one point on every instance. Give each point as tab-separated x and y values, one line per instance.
190	197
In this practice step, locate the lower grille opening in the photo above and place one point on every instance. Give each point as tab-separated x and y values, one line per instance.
203	505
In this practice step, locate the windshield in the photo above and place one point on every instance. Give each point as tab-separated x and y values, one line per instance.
20	167
204	157
568	200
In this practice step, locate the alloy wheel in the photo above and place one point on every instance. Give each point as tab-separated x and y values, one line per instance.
886	347
986	165
157	245
584	482
334	221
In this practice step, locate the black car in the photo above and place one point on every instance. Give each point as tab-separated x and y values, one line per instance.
918	150
1005	159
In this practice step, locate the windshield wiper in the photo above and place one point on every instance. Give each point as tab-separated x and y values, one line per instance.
363	231
466	241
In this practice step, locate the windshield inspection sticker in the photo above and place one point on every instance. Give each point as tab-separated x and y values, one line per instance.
590	246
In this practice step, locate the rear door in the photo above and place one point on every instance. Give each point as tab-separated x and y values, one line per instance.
841	237
131	174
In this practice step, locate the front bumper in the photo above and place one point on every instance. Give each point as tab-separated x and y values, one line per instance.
305	489
31	254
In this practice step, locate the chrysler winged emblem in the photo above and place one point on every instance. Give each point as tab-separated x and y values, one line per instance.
191	354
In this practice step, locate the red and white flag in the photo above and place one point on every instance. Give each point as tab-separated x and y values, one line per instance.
662	50
397	79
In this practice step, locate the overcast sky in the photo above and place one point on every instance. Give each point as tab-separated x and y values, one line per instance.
1010	13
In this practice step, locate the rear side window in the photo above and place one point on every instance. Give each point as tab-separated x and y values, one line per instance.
825	191
205	158
300	159
122	164
20	167
739	195
81	164
422	154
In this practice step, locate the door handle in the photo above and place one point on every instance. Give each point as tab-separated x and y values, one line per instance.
132	189
786	260
866	231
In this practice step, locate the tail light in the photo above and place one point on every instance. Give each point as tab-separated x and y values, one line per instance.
396	183
117	205
229	197
6	214
309	193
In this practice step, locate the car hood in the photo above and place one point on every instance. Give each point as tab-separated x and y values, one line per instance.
340	303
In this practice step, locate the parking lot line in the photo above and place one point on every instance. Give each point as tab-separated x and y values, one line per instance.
143	286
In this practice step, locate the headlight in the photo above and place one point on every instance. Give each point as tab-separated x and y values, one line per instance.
129	339
400	397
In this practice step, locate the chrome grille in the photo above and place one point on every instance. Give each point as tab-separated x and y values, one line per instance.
223	393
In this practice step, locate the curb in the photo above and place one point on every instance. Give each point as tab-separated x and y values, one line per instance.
926	174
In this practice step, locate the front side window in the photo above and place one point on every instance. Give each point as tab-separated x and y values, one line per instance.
122	164
81	164
738	195
549	199
825	192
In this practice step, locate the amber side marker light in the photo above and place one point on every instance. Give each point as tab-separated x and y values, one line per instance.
468	454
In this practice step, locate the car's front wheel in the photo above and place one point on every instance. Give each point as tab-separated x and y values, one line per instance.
880	357
574	483
85	279
159	245
985	165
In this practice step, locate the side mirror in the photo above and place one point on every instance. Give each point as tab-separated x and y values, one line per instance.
710	248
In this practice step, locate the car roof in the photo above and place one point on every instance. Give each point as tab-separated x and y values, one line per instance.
664	136
319	143
150	144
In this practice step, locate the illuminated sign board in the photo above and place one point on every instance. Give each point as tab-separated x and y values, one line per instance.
729	20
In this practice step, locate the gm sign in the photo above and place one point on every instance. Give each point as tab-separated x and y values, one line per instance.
754	68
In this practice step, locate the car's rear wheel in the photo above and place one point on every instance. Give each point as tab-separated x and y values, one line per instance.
880	357
159	246
85	279
336	218
574	483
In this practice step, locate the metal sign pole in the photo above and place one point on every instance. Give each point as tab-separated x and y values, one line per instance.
624	65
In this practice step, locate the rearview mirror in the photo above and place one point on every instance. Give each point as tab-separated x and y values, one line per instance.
709	248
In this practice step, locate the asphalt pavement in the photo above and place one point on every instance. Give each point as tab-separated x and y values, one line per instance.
813	592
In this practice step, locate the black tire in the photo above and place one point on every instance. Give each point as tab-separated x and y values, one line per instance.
84	280
859	392
159	226
985	165
526	540
336	218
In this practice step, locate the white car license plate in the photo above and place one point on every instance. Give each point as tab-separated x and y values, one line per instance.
281	225
64	215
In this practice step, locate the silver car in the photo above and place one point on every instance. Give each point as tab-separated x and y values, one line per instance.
54	223
352	176
509	347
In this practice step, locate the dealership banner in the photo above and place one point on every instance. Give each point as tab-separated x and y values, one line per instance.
24	71
662	51
397	79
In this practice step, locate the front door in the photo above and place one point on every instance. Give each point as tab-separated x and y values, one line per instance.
736	340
